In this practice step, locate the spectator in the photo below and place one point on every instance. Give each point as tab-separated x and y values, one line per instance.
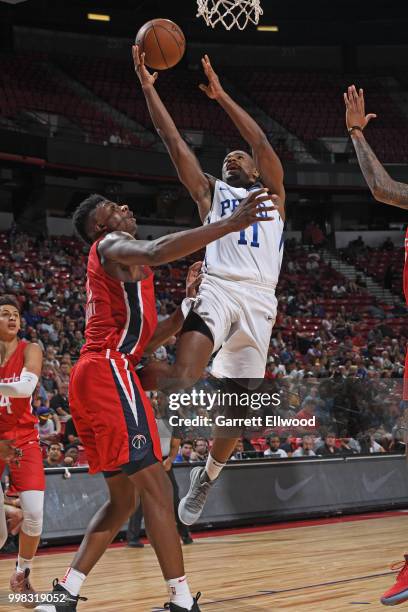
369	445
59	402
312	263
306	450
360	282
274	449
63	376
348	446
71	457
49	425
239	453
200	450
308	412
329	447
32	316
375	311
250	449
48	380
184	456
388	244
50	358
338	290
54	456
162	314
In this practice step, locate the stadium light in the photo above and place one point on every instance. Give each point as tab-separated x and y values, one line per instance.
268	28
98	17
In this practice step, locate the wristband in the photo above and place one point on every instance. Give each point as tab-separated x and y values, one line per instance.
354	127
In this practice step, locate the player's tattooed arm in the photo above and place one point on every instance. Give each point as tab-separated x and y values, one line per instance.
184	160
266	160
382	186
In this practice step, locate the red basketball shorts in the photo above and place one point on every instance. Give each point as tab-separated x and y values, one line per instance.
28	473
112	415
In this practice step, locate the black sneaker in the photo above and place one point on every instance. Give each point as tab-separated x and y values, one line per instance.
173	608
188	540
67	603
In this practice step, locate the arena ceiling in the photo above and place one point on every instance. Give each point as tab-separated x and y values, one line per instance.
313	22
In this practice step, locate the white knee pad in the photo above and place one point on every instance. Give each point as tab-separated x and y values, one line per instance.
3	524
32	505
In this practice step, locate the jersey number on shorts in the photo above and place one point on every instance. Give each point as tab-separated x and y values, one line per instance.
5	402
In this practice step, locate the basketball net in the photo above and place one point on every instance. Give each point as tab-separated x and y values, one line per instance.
229	12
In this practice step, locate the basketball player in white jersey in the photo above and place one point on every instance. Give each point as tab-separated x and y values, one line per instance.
235	309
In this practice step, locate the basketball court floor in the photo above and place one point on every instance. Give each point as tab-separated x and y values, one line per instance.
309	566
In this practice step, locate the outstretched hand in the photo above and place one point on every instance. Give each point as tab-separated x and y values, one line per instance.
214	88
355	108
252	209
145	77
194	278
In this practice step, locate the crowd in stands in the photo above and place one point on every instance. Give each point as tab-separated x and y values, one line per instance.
335	351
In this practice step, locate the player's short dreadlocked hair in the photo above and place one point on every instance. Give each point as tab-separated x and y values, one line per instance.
81	215
10	300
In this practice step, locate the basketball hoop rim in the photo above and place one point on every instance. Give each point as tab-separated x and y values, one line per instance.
229	13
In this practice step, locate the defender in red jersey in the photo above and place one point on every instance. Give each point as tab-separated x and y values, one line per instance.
391	192
111	412
19	371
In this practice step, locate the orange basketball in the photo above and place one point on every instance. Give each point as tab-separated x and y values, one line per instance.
163	43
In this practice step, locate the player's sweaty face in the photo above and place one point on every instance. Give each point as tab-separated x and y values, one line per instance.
115	217
238	168
10	322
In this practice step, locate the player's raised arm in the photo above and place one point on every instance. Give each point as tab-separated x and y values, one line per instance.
186	163
121	247
382	186
266	160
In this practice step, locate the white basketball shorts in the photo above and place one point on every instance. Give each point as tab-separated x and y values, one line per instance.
240	316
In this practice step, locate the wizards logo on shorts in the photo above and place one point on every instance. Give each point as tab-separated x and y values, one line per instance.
138	441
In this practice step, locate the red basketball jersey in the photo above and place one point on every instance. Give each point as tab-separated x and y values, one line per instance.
16	416
406	268
120	316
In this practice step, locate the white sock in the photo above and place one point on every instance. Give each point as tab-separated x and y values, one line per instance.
72	581
213	467
23	564
180	593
